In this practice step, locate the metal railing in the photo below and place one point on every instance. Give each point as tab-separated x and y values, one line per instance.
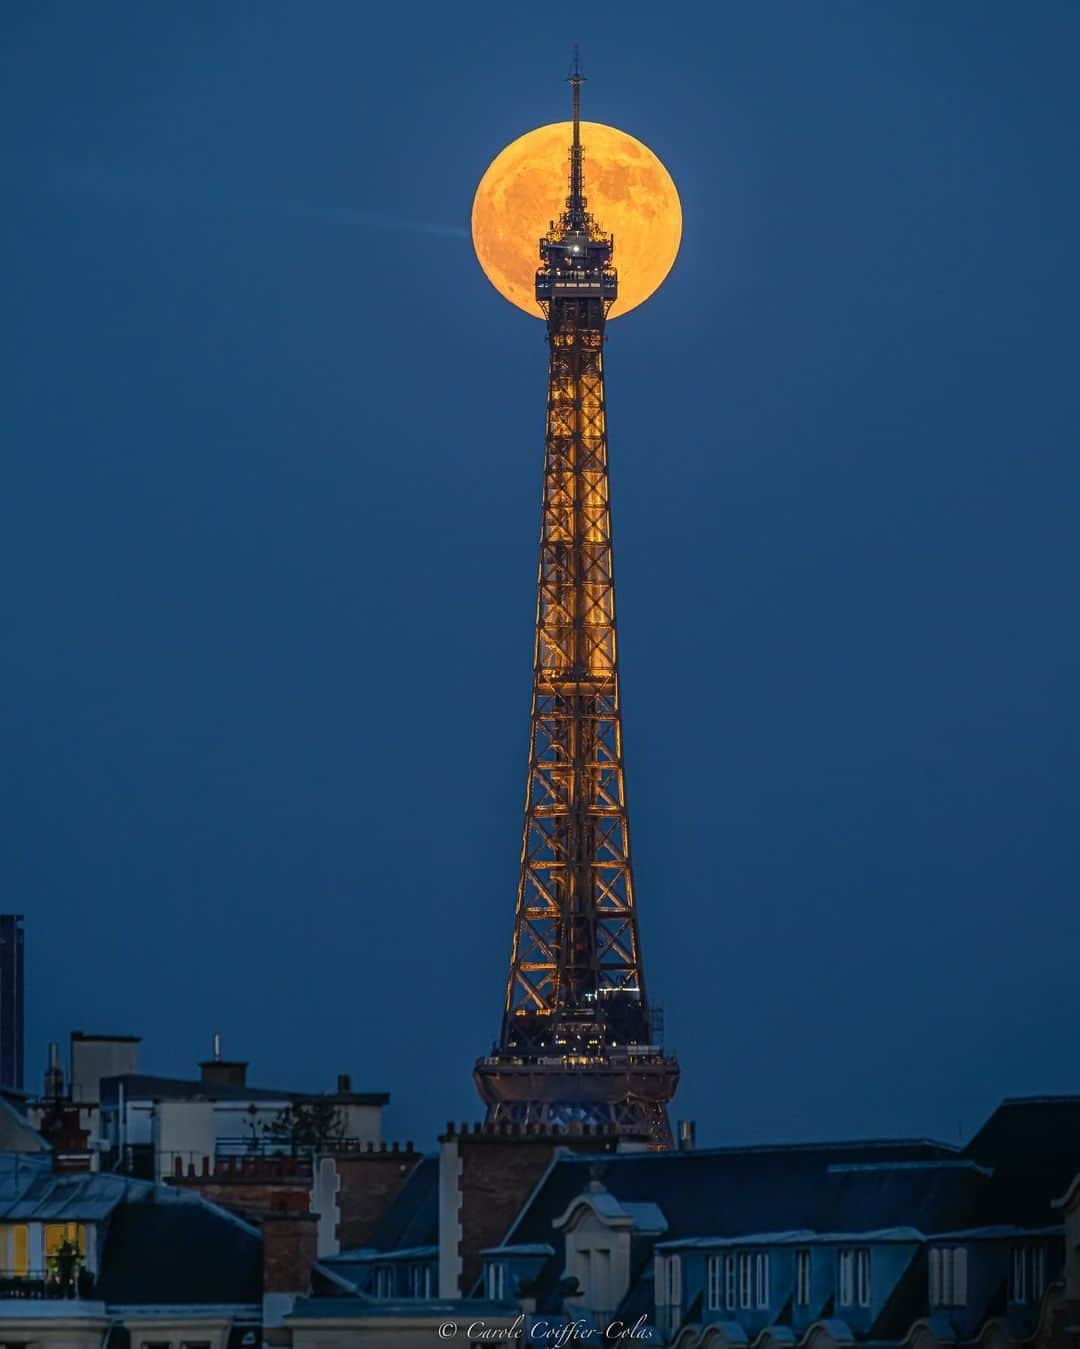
40	1284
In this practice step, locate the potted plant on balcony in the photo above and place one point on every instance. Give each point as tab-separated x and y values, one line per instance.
64	1266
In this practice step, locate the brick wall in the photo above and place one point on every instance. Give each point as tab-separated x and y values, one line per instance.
500	1167
368	1182
288	1252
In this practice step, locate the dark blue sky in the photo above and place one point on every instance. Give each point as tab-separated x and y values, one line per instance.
268	535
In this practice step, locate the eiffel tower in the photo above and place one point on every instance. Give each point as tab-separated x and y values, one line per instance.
577	1042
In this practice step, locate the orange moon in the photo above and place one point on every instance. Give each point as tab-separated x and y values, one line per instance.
630	195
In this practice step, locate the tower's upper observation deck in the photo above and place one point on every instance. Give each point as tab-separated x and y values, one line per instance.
575	254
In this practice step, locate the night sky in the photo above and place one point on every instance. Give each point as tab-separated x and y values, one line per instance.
268	527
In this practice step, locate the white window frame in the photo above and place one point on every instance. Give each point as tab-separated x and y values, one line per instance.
496	1280
714	1280
746	1280
761	1279
1018	1274
731	1287
948	1276
862	1275
845	1281
803	1267
675	1280
1038	1272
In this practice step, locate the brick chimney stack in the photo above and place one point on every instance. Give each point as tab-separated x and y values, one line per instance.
290	1243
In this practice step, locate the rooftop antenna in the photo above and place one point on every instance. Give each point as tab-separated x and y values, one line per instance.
576	202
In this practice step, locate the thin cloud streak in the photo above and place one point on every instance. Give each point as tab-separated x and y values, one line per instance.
209	197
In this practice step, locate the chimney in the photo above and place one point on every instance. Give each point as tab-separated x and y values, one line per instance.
290	1244
687	1135
219	1072
54	1074
344	1084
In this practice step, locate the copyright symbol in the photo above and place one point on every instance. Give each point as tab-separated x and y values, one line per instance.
447	1330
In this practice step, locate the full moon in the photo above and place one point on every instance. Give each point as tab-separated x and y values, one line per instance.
630	195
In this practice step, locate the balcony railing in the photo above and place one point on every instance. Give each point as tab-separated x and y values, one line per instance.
39	1284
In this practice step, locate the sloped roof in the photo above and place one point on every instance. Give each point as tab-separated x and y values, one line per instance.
728	1191
178	1254
161	1244
1033	1145
412	1219
30	1191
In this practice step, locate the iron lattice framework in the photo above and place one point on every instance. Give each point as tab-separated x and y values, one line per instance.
577	1039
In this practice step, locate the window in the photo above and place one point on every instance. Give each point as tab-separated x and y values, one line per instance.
495	1282
420	1281
761	1279
713	1279
384	1281
854	1277
18	1262
674	1275
862	1275
57	1233
1018	1275
845	1293
729	1282
1038	1271
948	1277
802	1278
194	1344
746	1268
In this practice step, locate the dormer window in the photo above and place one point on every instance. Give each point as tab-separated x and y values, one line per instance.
802	1278
746	1279
714	1281
948	1276
1018	1272
496	1281
854	1277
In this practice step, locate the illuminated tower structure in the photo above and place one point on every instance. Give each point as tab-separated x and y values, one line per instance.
578	1040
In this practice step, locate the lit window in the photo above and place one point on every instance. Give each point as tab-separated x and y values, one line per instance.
1018	1266
713	1278
57	1233
729	1283
15	1245
802	1278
